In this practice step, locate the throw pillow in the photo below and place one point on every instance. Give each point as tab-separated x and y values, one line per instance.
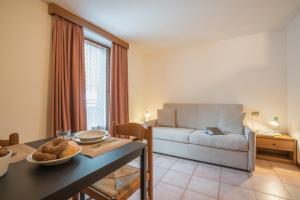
166	117
232	122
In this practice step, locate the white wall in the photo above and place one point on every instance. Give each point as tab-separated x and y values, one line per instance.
293	79
24	68
250	70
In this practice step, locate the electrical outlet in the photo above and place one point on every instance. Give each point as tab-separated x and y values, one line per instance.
254	113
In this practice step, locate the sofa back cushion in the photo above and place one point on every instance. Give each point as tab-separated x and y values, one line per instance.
232	122
200	116
166	117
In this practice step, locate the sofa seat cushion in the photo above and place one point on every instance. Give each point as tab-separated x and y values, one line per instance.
172	134
235	142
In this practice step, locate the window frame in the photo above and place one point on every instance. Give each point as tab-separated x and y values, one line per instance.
108	50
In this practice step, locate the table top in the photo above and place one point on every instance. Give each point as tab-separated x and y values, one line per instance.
25	180
277	137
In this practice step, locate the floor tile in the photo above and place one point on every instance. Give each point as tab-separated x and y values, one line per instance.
134	163
272	187
155	156
170	157
242	180
185	166
290	179
190	195
230	192
165	161
270	181
263	196
263	163
208	172
283	166
283	171
264	170
204	186
159	172
209	165
235	170
294	191
135	196
164	191
266	176
177	178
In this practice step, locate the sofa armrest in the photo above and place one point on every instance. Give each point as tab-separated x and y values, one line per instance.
251	137
151	123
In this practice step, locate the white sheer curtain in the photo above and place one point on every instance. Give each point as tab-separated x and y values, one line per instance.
96	60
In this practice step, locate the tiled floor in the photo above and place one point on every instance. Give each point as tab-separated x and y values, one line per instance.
180	179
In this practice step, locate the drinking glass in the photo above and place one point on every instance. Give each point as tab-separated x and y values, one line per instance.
64	133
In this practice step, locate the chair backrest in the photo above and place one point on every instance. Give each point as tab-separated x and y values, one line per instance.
141	133
13	139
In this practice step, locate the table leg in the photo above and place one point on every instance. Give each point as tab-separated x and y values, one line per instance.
143	175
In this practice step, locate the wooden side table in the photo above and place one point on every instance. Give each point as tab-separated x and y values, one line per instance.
281	148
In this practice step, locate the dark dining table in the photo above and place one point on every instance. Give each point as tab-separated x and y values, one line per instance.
29	181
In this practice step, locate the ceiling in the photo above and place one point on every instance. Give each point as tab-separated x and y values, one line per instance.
158	24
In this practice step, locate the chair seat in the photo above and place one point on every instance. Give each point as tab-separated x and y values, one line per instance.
117	182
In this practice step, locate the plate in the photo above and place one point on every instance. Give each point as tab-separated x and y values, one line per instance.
90	141
91	135
53	162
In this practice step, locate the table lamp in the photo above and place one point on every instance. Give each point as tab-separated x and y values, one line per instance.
275	123
147	116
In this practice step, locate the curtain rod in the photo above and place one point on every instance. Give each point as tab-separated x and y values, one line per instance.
54	9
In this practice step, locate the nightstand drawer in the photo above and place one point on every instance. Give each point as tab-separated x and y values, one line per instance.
275	144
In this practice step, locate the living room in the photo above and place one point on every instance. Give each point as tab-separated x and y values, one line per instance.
177	66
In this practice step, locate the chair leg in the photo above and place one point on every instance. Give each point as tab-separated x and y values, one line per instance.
82	196
75	197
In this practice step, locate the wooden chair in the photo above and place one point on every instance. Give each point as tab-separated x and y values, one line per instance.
122	183
13	139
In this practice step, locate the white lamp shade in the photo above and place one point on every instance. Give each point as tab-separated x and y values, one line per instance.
147	116
274	122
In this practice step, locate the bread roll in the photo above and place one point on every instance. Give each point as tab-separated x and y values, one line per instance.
57	141
3	152
55	149
40	156
71	149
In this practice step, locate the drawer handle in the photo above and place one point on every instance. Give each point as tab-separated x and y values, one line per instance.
273	144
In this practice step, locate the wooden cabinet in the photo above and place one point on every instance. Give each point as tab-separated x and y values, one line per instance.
280	148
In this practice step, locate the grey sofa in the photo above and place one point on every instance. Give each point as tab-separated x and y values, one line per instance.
188	139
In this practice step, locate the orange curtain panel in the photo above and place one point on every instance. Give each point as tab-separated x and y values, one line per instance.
118	103
67	99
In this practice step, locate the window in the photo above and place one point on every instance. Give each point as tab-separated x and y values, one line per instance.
96	69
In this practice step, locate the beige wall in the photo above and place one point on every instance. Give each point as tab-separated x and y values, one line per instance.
293	79
136	81
249	70
25	39
24	68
